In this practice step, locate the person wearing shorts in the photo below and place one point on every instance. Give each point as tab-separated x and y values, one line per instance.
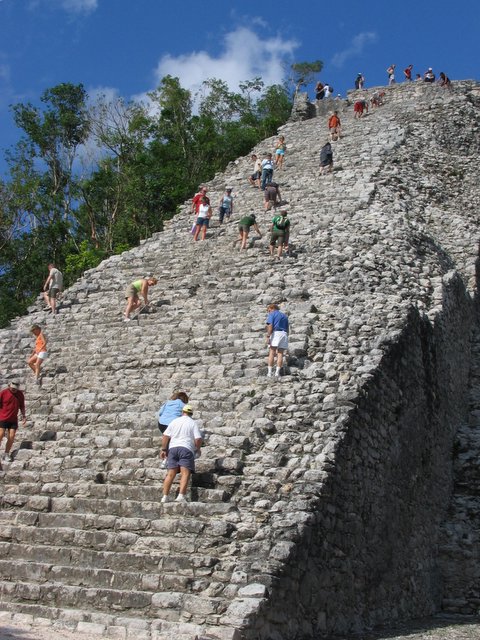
52	287
334	126
12	401
272	196
254	178
181	443
279	233
277	338
244	225
280	149
39	353
203	219
359	107
133	293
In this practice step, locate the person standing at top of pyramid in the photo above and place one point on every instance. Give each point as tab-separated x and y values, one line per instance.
391	74
408	73
359	81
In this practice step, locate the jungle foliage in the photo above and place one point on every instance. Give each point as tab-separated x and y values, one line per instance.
90	179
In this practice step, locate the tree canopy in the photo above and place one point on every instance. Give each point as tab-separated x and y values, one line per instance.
90	180
304	72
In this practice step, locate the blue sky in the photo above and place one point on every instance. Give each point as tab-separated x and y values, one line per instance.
124	47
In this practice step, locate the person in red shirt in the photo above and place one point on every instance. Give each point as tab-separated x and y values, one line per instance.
408	73
12	401
39	353
197	200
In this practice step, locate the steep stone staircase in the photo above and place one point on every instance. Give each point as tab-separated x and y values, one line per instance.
84	537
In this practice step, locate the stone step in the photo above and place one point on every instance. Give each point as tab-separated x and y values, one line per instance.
137	603
91	624
175	531
21	494
117	555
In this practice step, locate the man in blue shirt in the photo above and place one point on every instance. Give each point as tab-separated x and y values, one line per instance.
277	338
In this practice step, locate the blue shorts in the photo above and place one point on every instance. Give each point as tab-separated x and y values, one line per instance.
202	222
181	457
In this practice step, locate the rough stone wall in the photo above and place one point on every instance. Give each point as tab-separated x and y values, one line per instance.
318	499
369	553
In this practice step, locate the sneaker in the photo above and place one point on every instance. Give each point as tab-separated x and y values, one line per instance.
7	457
165	499
127	319
180	498
269	374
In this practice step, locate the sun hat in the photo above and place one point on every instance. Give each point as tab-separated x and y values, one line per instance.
187	409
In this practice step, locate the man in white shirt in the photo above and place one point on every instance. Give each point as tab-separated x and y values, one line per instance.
181	441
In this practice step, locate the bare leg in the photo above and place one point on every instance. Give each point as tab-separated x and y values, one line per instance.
184	478
271	356
244	240
31	362
10	439
132	304
169	478
38	364
197	231
204	232
280	358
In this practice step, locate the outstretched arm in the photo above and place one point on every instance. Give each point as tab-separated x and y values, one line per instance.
47	282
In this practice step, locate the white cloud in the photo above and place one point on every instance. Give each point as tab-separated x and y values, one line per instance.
80	6
357	45
72	6
244	56
106	94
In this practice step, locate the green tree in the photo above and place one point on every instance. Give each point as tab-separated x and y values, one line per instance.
53	135
302	73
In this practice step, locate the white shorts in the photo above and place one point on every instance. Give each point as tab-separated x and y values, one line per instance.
279	340
43	355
